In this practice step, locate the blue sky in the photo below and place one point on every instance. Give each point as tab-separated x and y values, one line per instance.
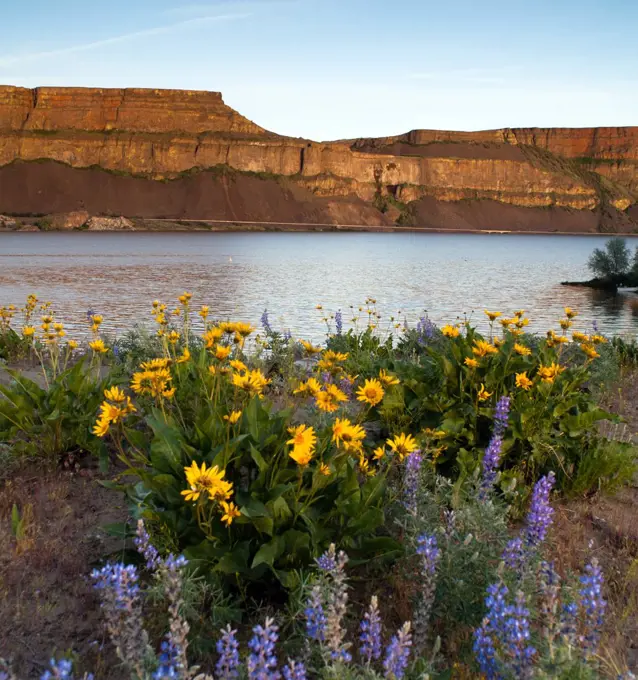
334	69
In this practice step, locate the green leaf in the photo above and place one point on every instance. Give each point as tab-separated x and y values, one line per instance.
269	552
166	446
258	458
15	520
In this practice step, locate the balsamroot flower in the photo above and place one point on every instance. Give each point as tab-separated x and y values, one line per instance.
206	480
371	392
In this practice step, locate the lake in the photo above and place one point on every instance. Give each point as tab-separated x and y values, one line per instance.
240	274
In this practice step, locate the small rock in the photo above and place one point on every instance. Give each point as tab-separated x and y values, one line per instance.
7	222
109	224
70	220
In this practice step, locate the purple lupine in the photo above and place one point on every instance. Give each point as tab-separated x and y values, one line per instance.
60	670
144	546
493	624
569	623
502	640
287	335
515	554
370	636
425	330
339	322
266	323
411	479
315	616
517	637
430	555
549	586
492	456
592	605
328	561
262	662
539	517
120	598
228	649
169	663
337	602
294	670
398	653
177	636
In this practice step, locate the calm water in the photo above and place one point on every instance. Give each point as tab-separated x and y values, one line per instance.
238	275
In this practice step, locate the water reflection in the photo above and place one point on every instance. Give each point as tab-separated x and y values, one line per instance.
238	275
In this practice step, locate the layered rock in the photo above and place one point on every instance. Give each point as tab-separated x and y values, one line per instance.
167	134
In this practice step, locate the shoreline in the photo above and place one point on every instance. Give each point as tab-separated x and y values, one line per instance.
145	225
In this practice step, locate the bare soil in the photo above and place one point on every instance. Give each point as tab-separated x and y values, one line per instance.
46	599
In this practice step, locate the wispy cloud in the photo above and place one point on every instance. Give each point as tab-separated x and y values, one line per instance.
468	75
105	42
203	9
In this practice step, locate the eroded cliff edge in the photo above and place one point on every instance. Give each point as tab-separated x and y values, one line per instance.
183	154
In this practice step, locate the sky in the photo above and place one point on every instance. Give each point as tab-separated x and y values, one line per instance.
337	69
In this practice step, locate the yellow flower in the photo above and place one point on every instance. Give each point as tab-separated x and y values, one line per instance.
483	394
185	356
589	351
212	336
549	373
168	393
252	382
203	312
364	466
570	313
185	298
598	339
403	445
223	352
498	342
243	329
302	437
152	382
335	356
516	332
523	381
28	331
521	323
565	324
329	399
492	316
378	453
324	470
312	387
507	322
230	511
519	313
351	436
238	365
319	307
301	456
522	350
101	427
98	346
577	336
471	363
482	348
386	378
371	392
450	331
206	480
436	434
173	337
115	394
309	347
72	344
155	364
96	319
233	417
212	370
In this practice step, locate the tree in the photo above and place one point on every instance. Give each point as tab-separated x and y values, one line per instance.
635	268
611	262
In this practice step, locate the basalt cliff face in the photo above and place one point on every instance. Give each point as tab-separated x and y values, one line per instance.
187	155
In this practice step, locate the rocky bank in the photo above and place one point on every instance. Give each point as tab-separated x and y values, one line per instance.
187	155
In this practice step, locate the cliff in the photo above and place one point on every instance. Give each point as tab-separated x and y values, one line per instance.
587	178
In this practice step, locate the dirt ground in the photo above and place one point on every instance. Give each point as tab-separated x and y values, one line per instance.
46	599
